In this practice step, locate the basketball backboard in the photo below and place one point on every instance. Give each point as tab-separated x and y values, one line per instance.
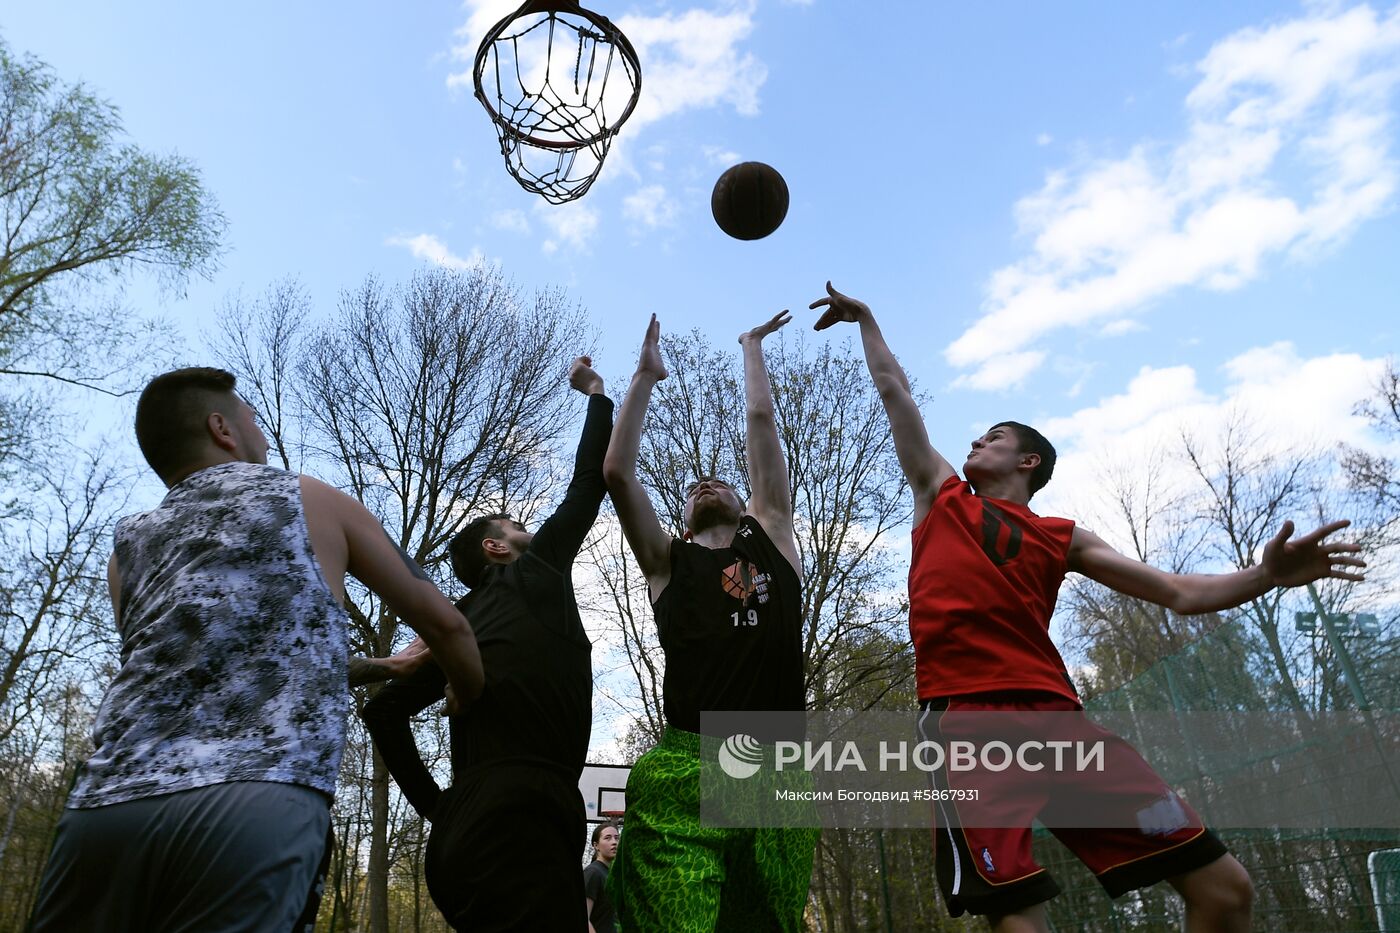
604	790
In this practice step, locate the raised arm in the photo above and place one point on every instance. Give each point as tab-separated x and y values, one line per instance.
558	541
1285	563
650	543
380	564
924	467
770	497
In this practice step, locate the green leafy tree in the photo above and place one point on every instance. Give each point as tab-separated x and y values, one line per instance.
80	208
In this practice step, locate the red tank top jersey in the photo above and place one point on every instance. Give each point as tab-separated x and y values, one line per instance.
982	585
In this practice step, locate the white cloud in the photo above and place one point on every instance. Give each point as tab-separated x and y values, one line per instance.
1120	327
483	15
570	225
1003	373
513	220
1044	139
428	247
721	157
1309	99
1287	401
1151	394
693	61
650	206
692	57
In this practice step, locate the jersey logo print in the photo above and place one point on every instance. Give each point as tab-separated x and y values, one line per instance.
742	580
993	521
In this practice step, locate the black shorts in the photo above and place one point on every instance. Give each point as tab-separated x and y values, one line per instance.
506	851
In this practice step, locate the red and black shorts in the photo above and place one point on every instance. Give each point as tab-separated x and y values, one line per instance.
1142	832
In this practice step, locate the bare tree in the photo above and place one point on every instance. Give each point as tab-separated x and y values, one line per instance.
1373	477
56	635
616	605
849	494
261	341
1119	637
53	596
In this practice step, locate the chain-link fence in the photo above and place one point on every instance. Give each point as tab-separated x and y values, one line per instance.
1317	670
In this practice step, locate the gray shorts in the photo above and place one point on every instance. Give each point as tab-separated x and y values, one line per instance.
230	857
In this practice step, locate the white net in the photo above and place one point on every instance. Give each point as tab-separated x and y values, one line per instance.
558	82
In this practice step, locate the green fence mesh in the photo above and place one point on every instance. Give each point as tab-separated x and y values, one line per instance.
1327	880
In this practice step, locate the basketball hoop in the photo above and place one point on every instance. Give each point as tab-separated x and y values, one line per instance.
558	81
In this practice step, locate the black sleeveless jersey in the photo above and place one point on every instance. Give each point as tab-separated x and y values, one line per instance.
730	624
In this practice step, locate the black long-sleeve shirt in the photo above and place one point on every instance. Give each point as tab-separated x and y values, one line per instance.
537	704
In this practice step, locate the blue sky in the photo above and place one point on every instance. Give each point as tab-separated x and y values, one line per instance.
1039	201
1110	220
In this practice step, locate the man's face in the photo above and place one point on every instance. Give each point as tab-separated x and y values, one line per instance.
995	454
712	502
607	844
514	536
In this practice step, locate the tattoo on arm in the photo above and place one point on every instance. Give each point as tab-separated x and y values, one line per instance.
364	671
408	562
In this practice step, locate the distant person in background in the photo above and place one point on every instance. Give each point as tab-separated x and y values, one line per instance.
206	801
503	853
595	879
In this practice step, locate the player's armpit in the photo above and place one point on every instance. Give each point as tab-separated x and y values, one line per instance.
649	542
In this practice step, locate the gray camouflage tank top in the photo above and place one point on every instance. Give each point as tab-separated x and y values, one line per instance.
233	654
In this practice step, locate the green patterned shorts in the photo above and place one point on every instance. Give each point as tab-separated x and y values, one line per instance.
673	875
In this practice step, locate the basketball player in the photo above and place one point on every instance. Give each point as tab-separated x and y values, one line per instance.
503	854
985	574
728	606
205	805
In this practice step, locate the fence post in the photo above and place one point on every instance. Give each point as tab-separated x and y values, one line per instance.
1354	684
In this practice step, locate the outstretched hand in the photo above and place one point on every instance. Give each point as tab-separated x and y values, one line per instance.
650	359
583	378
839	308
1309	558
772	325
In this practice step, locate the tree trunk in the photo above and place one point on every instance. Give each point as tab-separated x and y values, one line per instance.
377	875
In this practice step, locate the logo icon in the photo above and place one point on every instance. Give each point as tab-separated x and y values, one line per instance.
993	520
740	756
1163	816
987	860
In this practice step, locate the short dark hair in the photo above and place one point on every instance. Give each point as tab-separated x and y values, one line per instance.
468	560
598	831
1031	441
172	411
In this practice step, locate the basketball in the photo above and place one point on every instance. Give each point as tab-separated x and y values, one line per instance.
750	200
